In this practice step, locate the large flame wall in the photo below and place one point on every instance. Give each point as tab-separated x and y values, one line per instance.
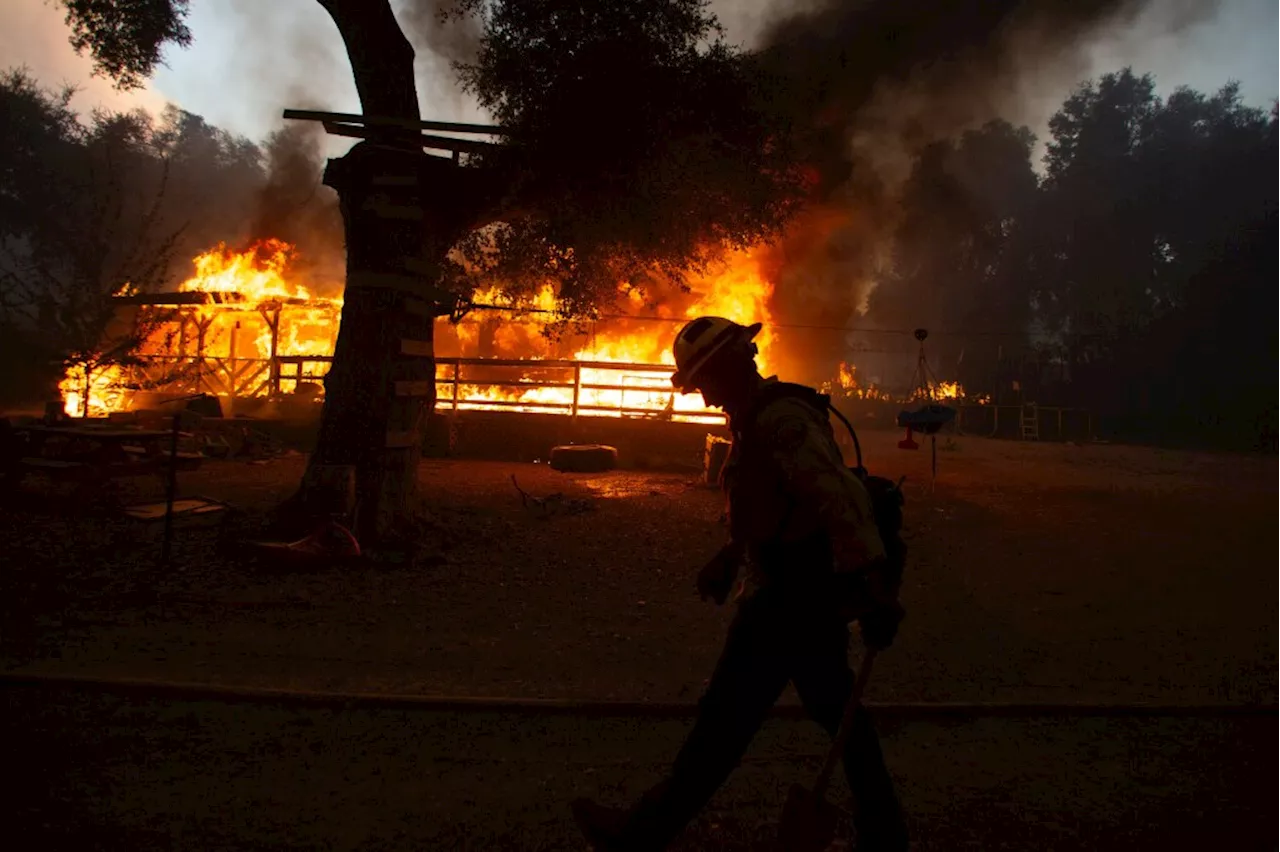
222	333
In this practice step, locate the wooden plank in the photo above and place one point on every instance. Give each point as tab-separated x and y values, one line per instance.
379	121
401	440
408	388
426	140
525	385
193	297
209	298
610	366
417	348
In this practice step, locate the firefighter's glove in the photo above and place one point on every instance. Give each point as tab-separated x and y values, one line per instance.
715	580
879	624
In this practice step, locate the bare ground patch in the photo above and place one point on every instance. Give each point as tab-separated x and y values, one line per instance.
1040	572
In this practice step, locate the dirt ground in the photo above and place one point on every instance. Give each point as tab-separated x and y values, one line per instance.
1039	573
104	772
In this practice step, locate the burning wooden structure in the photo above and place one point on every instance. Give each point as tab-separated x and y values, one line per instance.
227	345
242	331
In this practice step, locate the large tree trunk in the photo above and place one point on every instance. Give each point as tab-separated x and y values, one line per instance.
402	211
381	387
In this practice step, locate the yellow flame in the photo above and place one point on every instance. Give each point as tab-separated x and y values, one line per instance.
220	330
241	331
846	385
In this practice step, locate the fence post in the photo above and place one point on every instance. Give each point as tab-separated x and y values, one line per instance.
274	380
577	384
457	368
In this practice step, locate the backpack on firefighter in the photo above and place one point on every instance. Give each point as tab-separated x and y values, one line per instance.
887	500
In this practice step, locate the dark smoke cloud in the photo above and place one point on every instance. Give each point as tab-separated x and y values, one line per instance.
868	84
896	75
292	205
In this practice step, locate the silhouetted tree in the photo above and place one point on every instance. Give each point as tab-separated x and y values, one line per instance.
1155	272
80	221
637	137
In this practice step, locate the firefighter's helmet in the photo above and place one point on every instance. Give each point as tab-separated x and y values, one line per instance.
699	340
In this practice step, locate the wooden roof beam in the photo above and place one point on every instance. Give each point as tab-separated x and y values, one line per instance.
376	121
426	140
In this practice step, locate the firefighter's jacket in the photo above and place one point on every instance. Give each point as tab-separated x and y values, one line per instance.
791	500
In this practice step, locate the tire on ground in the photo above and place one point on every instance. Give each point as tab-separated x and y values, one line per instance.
584	458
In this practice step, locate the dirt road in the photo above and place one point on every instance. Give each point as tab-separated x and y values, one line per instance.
91	771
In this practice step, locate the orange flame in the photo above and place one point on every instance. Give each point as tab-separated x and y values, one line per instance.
846	385
238	332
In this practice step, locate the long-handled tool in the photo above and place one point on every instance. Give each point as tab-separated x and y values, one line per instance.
808	819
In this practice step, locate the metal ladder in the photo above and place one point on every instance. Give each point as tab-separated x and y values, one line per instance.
1030	422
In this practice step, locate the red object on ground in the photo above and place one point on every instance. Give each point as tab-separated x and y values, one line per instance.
330	539
908	444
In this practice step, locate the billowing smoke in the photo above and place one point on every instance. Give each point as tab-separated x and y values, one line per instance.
868	84
292	205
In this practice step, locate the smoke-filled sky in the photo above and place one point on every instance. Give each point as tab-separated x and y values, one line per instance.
251	59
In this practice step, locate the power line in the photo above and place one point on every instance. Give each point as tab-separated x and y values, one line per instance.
793	326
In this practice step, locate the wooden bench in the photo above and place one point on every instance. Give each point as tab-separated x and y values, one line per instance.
87	471
57	468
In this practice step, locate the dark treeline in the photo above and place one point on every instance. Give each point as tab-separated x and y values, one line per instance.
89	204
1135	277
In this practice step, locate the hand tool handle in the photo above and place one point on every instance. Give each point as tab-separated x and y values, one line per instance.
846	725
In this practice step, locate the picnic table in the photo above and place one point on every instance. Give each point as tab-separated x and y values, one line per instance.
96	453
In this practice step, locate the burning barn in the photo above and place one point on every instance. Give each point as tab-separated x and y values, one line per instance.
243	330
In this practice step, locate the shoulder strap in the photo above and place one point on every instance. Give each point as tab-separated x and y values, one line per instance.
771	393
819	401
857	445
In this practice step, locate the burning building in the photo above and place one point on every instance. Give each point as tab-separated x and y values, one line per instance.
243	329
238	329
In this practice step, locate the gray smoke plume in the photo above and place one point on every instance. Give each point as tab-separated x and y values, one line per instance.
441	38
868	84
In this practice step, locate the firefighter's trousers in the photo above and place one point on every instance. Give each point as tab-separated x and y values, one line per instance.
778	636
